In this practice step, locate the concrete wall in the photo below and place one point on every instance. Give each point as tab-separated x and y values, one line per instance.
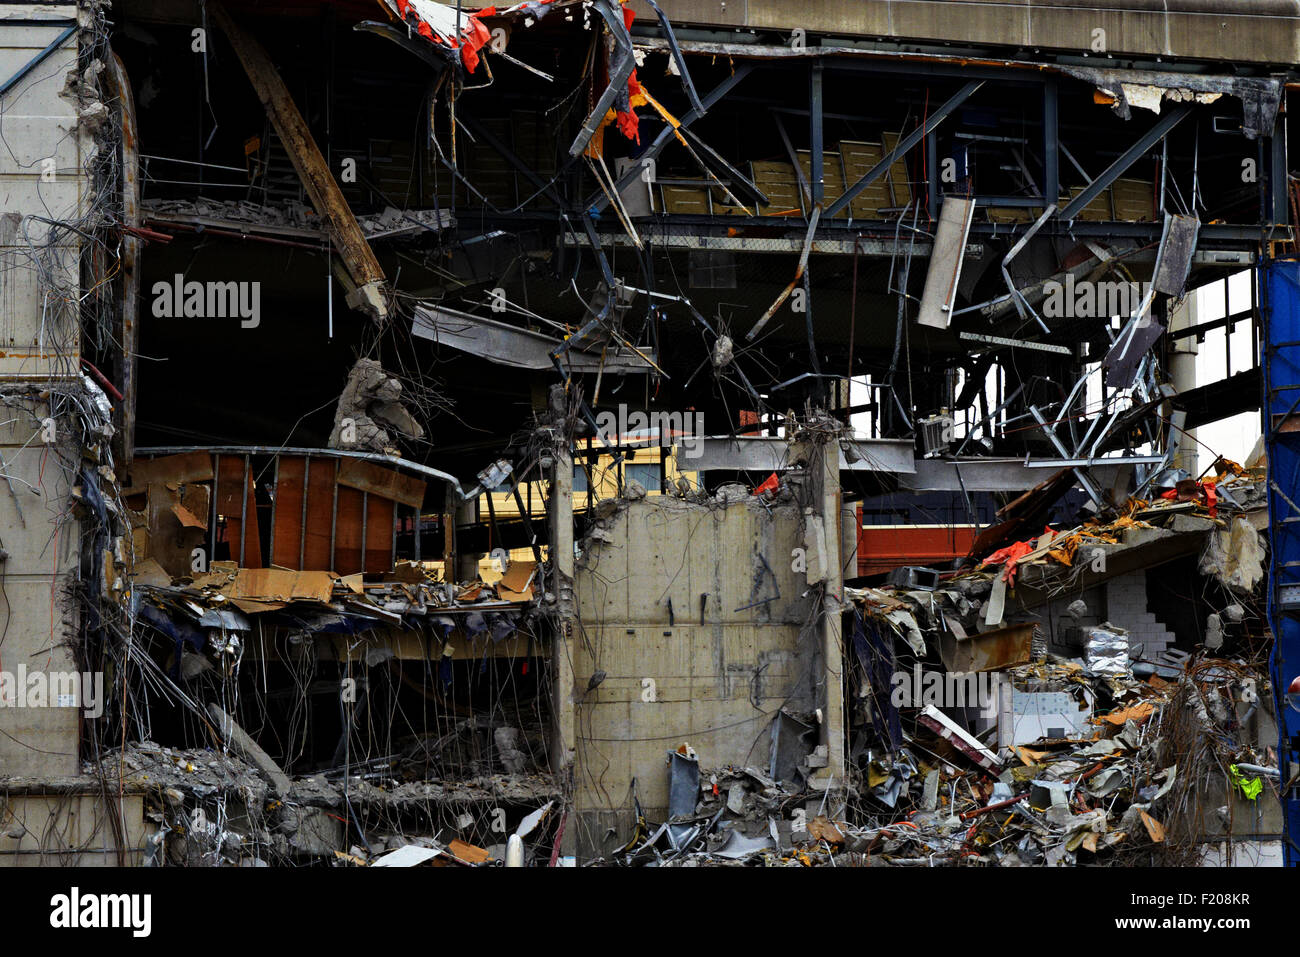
717	685
1232	31
69	829
38	345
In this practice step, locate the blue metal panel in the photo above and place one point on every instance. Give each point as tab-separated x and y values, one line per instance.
1280	307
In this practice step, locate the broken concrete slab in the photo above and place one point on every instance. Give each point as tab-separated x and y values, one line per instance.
248	749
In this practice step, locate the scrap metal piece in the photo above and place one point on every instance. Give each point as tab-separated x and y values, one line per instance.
1017	299
683	792
436	56
772	454
680	60
1124	358
988	651
509	345
618	74
1015	343
798	274
1177	246
738	846
790	741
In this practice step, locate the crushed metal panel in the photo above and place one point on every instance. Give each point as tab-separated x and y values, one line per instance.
411	855
517	583
1176	250
1260	96
939	296
683	791
988	651
1122	359
790	742
274	585
988	475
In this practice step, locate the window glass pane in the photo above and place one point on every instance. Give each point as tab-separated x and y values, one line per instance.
647	473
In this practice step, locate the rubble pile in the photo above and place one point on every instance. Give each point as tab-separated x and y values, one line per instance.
211	807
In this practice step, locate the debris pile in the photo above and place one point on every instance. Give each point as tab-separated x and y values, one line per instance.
213	807
224	598
979	741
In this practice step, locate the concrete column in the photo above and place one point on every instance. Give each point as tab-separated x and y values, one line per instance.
848	539
40	532
564	736
832	618
1182	374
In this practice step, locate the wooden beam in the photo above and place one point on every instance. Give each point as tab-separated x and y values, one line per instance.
326	197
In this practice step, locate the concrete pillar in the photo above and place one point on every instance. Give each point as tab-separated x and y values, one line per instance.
1182	374
40	531
832	618
849	534
463	564
564	737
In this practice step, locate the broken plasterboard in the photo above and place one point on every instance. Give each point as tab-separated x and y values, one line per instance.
1051	715
517	583
408	856
272	585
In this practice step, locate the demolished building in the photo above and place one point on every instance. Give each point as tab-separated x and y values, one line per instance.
658	435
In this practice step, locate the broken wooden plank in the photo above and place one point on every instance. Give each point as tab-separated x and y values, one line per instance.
326	197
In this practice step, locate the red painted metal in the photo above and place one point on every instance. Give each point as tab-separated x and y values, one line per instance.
882	548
